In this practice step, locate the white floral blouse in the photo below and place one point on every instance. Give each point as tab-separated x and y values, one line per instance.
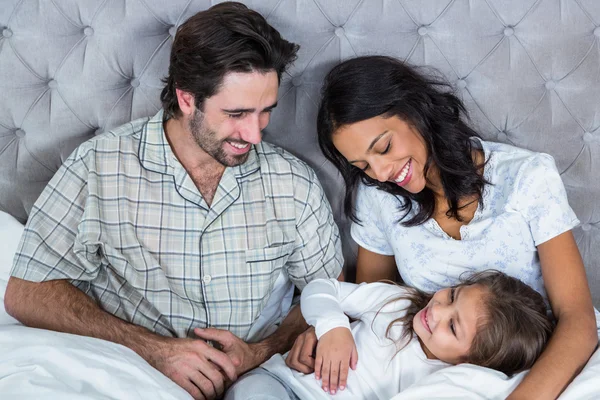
525	205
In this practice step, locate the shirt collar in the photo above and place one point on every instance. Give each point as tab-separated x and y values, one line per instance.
156	154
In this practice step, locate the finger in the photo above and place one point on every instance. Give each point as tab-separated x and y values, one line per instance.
204	384
334	377
308	348
325	370
343	376
217	335
318	366
354	358
188	386
292	359
215	377
291	356
222	360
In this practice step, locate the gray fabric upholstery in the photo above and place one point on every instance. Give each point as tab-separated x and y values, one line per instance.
529	71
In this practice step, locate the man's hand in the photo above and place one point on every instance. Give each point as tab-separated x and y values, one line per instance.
336	352
301	356
193	364
244	356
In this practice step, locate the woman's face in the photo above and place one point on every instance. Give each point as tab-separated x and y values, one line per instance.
386	149
447	326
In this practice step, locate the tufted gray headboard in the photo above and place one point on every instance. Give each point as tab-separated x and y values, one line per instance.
528	70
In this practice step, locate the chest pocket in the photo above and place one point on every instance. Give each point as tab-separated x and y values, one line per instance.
265	265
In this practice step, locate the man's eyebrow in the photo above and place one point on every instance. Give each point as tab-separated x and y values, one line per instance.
373	143
248	110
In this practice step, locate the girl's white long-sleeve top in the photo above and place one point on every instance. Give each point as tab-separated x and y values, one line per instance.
382	370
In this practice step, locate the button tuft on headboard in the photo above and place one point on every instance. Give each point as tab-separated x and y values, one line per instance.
550	85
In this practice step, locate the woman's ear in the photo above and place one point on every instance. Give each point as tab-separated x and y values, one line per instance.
186	102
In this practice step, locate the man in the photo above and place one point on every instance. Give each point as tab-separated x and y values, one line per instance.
185	220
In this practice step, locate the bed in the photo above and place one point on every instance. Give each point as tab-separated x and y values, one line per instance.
528	71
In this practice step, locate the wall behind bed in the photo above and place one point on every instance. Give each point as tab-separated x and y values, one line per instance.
528	70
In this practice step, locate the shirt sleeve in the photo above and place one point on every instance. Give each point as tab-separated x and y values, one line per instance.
317	250
369	232
542	200
327	303
46	251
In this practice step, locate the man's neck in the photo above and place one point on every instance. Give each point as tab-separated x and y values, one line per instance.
205	171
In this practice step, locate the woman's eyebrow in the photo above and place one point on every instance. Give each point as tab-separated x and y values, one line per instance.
375	140
373	143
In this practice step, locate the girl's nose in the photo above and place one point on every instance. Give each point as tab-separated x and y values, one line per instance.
438	313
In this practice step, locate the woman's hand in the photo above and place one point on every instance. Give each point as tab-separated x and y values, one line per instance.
336	351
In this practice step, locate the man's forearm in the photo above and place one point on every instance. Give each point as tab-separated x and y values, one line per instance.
60	306
283	338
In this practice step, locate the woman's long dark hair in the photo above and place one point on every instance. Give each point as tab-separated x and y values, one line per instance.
513	331
371	86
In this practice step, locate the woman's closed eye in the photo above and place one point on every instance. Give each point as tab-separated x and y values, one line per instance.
387	148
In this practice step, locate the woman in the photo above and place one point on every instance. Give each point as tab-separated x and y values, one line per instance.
431	200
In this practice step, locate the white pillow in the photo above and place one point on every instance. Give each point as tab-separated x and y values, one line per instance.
10	235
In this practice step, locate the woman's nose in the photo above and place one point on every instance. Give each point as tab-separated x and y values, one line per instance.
381	170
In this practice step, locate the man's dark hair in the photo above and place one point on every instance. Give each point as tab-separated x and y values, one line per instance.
228	37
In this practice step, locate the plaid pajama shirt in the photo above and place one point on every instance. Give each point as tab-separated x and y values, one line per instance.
124	222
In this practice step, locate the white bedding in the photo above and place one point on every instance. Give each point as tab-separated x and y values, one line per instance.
40	364
469	382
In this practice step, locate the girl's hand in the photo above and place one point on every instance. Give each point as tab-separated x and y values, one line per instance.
336	351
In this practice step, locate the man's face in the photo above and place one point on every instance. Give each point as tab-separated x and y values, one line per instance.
234	117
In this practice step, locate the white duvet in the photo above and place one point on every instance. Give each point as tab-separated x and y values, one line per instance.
40	364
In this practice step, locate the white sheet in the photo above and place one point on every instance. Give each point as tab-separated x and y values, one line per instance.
469	382
40	364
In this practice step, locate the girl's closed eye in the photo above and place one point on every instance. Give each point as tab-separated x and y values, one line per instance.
452	290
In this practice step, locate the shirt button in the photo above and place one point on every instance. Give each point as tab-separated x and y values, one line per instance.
206	279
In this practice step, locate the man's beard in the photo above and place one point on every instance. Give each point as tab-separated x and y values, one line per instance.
206	138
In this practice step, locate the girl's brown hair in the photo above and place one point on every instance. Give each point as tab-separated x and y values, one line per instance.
510	335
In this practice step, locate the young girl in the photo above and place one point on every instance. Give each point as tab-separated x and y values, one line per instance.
402	334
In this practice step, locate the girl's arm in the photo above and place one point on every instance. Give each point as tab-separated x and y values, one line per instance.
325	304
373	267
575	336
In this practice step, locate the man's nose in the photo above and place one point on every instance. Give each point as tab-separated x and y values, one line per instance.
251	131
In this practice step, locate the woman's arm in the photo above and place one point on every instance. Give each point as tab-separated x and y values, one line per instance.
373	267
575	336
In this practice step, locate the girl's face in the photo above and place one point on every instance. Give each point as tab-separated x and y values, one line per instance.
386	149
447	326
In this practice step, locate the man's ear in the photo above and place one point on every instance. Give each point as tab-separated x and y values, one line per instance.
186	102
